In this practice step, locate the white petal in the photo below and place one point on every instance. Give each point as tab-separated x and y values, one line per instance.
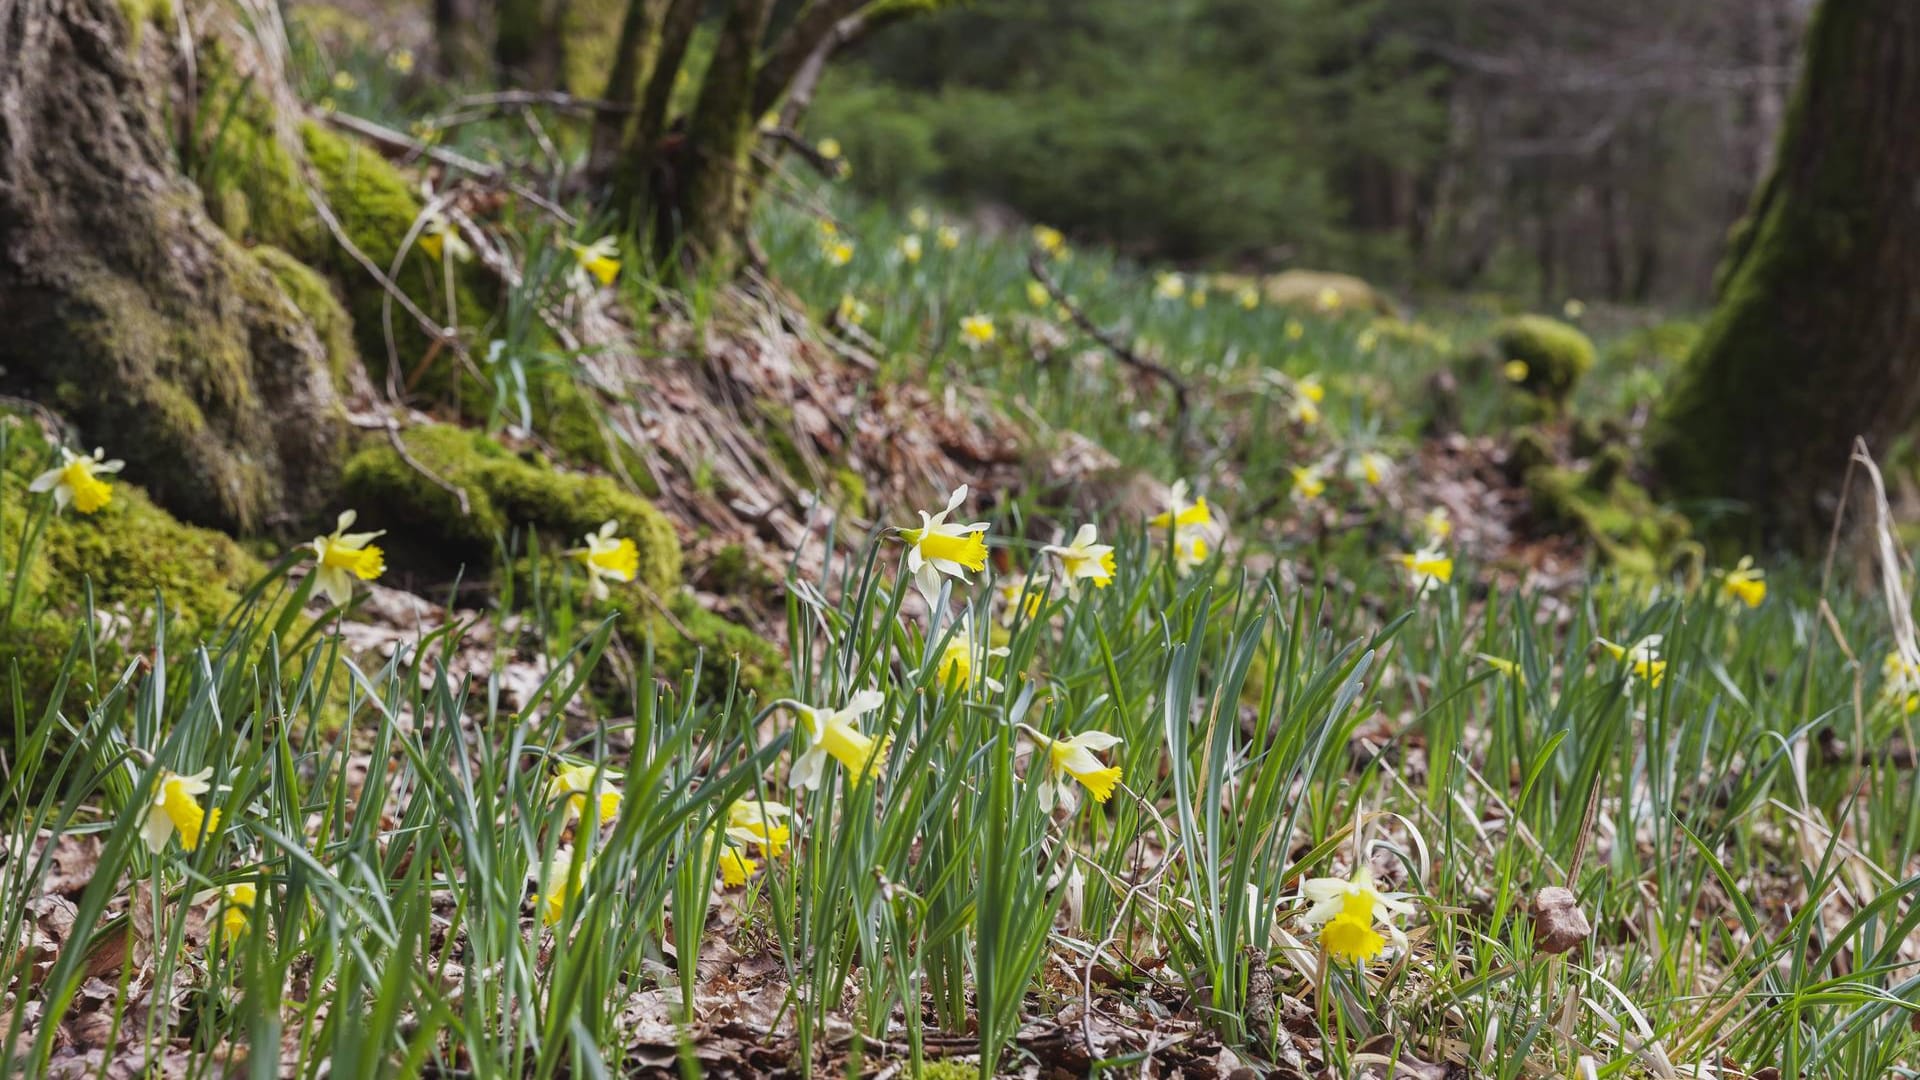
864	702
346	520
959	496
1086	536
113	466
46	480
156	831
1097	740
807	770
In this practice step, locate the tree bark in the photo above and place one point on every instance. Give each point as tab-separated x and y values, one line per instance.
1816	338
125	307
461	32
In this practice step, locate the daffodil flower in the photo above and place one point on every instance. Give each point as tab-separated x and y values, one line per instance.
1037	294
1311	388
829	148
577	783
761	824
1022	597
1189	551
236	903
1295	330
976	331
1574	308
1181	514
1048	239
736	866
1346	912
1516	371
400	61
176	809
607	558
1248	297
1746	582
964	661
947	237
344	81
939	547
440	237
1373	467
344	556
1902	685
837	253
852	311
595	262
1509	668
1197	298
1437	524
1083	559
560	884
834	733
1366	340
1071	761
77	480
1169	286
919	218
1427	568
1309	483
1328	299
1642	657
910	248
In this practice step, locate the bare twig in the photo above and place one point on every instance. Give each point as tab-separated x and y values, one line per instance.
552	99
382	135
1037	262
392	427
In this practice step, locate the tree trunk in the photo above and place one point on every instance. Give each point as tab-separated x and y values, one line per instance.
1817	335
125	308
716	171
461	32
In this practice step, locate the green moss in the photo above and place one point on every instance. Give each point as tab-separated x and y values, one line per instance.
1310	289
1556	354
140	13
718	643
1630	529
590	30
504	491
315	299
852	488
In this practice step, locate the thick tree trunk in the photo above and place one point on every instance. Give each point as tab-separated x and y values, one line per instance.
461	32
124	307
1817	335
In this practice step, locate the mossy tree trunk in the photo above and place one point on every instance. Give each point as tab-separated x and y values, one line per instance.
125	307
690	182
1816	338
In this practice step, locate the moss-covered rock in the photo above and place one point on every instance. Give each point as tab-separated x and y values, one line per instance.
505	491
1556	354
1322	291
316	301
1631	530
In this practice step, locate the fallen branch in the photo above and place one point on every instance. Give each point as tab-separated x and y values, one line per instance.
1037	262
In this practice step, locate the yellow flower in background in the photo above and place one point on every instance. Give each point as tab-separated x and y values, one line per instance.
1902	682
941	547
560	885
1181	514
1509	668
1516	371
1295	330
1198	297
236	903
607	558
176	809
76	480
1373	467
1746	582
835	734
1037	294
1346	912
1189	552
440	238
1084	559
911	249
598	261
852	311
1367	340
1574	308
1309	483
1071	761
1328	299
1169	286
344	81
736	866
761	824
976	330
1022	597
828	228
1427	568
964	661
1438	523
919	218
400	61
577	783
837	253
1049	239
829	148
947	237
1311	388
344	556
1642	657
1247	297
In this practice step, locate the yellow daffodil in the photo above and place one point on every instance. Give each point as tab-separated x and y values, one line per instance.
1083	559
736	866
941	547
1169	286
607	557
344	556
1049	239
1071	760
560	884
1902	686
964	661
1198	297
344	81
1328	300
1295	330
577	783
1372	467
976	331
829	148
1437	524
1181	514
1427	568
947	237
1022	597
1516	371
919	218
1311	388
1309	483
1346	912
1746	582
176	809
837	253
1247	297
761	824
1642	657
834	733
1509	668
1190	551
76	480
440	238
1367	340
400	61
1574	308
236	903
595	262
910	248
828	228
852	311
1037	294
